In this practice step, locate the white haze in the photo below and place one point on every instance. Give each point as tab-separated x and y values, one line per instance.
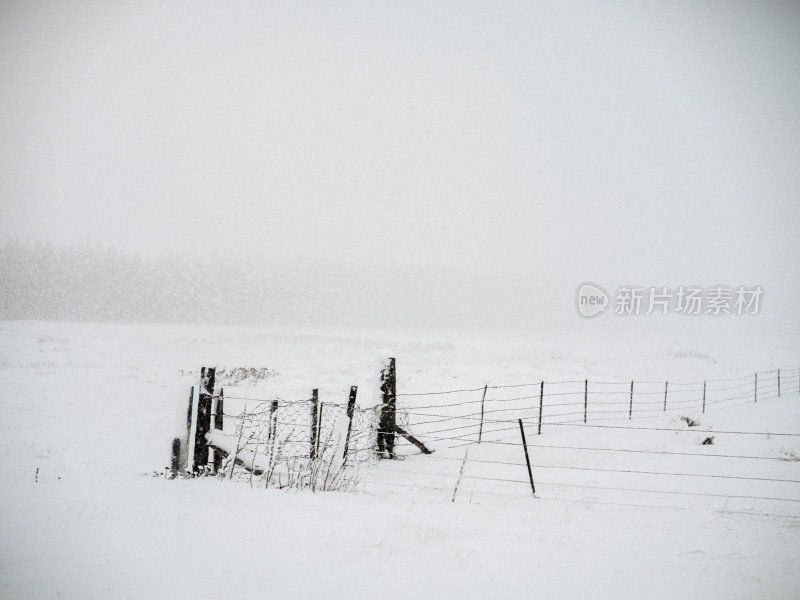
523	147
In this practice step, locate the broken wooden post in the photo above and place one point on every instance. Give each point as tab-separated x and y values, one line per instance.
388	417
313	425
422	448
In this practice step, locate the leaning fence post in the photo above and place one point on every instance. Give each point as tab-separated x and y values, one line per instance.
704	397
483	400
460	473
312	451
630	409
527	458
666	387
351	408
388	417
541	406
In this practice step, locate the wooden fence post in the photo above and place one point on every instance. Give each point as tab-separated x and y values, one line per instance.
704	397
192	421
483	400
180	443
205	397
351	408
460	473
273	420
527	458
779	383
541	406
630	409
217	413
666	387
220	416
314	425
388	417
319	428
201	421
175	458
585	399
755	388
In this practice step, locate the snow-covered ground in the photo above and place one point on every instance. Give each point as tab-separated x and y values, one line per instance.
89	412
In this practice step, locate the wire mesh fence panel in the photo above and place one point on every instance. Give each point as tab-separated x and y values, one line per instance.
288	444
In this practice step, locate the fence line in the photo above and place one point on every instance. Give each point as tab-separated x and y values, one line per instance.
746	379
301	431
590	401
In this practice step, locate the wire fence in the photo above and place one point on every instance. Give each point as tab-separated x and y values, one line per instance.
301	443
607	451
661	467
301	431
474	414
608	472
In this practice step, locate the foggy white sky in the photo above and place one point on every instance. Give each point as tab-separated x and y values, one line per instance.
618	142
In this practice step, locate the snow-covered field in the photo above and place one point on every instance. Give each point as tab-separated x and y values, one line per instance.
89	412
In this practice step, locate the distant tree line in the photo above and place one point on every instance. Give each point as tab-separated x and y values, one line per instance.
94	283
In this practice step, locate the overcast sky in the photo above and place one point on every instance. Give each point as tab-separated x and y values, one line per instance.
618	142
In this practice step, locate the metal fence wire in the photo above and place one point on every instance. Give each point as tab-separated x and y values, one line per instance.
280	436
325	445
